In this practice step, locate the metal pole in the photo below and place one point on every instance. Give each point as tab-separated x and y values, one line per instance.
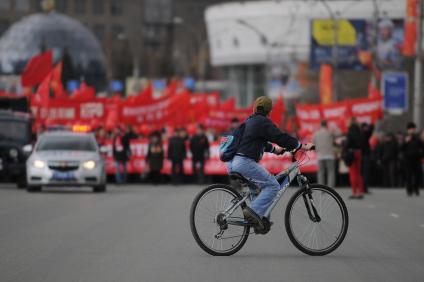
418	104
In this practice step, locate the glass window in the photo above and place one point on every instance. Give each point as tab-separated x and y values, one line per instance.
79	6
61	6
99	31
98	7
116	7
66	143
5	5
13	130
22	5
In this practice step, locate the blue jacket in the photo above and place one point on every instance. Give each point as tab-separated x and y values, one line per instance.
258	135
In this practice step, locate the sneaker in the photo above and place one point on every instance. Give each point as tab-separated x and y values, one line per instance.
253	218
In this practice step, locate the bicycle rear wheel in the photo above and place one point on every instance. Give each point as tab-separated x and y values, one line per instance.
210	233
321	237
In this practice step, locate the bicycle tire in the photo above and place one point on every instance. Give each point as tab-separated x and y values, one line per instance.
194	229
345	217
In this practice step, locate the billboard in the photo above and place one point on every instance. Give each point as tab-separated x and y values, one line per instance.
354	42
395	91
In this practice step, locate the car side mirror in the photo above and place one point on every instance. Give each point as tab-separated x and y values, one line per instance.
27	148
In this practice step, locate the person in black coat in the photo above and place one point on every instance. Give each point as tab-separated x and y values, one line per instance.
387	158
154	158
413	152
176	154
120	156
199	147
353	144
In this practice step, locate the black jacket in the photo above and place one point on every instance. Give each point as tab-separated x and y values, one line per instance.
413	149
353	140
199	147
258	134
176	149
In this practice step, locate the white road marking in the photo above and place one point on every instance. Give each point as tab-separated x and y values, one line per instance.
394	215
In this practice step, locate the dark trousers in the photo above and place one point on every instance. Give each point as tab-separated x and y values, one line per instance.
389	174
177	175
199	170
365	171
413	175
155	176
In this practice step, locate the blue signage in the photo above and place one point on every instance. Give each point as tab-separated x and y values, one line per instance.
394	86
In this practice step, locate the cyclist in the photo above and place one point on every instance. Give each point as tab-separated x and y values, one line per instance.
258	135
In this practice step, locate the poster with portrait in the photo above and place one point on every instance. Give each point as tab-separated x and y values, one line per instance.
354	41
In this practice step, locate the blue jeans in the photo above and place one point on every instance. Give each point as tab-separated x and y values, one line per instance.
260	176
120	172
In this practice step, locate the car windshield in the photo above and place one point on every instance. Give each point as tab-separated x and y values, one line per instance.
66	143
13	130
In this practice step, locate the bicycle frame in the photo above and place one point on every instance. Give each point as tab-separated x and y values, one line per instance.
288	175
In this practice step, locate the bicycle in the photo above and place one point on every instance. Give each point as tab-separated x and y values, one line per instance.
309	216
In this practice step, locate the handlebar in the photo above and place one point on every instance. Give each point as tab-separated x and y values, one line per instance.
293	152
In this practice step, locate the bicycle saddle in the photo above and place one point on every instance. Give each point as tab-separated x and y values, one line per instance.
239	177
244	181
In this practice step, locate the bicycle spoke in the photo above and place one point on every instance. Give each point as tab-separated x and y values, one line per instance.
321	235
208	208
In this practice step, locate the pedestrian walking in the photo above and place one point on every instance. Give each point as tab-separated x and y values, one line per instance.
199	147
176	154
413	152
388	158
324	143
154	158
353	145
120	156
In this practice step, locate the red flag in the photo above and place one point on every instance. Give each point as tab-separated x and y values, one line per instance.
51	87
84	93
229	104
277	112
326	84
145	95
37	69
410	34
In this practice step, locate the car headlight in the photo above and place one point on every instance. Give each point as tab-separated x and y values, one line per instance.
13	153
89	164
38	164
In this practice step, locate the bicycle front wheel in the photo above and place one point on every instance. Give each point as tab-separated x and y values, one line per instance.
311	236
208	227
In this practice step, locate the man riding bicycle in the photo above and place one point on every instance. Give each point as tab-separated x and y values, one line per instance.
259	134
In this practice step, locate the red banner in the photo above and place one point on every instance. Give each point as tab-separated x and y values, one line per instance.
367	110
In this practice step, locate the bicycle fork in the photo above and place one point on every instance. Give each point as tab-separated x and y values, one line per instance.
310	207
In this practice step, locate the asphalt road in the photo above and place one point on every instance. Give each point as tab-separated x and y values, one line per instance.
141	233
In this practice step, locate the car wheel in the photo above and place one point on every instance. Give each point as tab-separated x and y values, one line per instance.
99	189
33	188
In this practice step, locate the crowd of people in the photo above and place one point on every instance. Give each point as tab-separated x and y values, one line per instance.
370	158
176	152
383	159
